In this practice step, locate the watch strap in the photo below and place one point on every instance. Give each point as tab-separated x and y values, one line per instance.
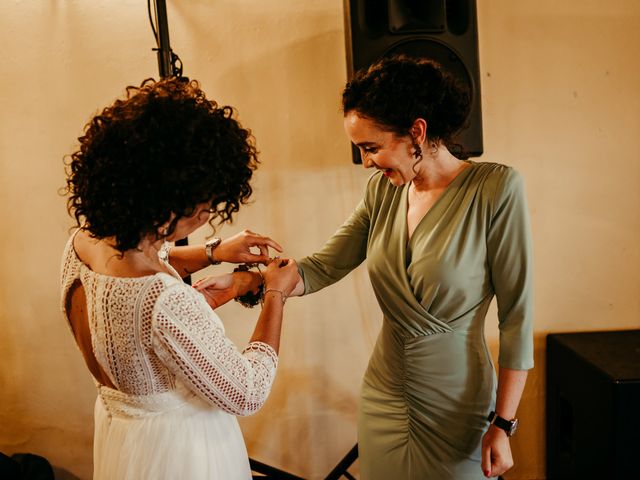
508	426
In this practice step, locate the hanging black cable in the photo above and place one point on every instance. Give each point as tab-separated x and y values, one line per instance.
153	27
169	64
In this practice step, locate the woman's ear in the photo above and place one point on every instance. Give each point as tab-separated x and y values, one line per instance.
419	131
163	229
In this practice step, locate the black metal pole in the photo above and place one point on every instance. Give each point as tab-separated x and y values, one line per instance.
165	65
164	46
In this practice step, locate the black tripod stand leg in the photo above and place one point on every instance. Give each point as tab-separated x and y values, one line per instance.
271	472
341	469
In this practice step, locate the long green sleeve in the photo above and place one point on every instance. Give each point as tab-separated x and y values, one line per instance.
343	252
509	252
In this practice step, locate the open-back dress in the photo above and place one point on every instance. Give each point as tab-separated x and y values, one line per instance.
179	380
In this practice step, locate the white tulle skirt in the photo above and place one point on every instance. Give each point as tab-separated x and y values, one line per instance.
172	435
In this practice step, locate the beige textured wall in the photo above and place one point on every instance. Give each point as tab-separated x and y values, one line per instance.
561	102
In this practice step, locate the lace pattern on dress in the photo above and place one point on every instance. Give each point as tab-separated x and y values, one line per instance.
147	332
120	404
189	337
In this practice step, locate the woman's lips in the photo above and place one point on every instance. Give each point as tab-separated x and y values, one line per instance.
388	172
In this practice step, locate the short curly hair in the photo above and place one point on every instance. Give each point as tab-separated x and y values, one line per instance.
395	91
164	149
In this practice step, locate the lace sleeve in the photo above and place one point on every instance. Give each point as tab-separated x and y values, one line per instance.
189	338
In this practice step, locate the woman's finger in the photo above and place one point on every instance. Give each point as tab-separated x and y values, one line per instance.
218	282
205	283
259	240
486	461
262	257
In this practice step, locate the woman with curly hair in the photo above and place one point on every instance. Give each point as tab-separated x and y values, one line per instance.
151	169
442	236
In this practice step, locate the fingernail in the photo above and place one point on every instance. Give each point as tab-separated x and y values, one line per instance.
487	472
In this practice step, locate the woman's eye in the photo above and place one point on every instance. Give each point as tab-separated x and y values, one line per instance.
370	150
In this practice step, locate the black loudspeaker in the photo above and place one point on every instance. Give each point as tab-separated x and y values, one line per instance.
442	30
593	405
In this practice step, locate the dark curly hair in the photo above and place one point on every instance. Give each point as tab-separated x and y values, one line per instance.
395	91
165	148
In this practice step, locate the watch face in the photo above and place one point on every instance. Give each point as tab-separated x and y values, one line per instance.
514	427
209	247
214	242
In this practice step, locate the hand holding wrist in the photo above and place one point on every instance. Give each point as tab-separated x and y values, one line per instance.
247	281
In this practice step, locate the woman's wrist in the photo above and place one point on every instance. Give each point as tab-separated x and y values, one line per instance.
493	430
250	287
248	281
272	292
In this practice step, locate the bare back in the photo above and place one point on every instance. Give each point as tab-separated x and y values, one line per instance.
101	259
79	322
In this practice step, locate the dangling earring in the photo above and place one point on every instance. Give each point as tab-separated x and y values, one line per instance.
417	151
434	148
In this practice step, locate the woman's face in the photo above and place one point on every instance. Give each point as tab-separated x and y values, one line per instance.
381	149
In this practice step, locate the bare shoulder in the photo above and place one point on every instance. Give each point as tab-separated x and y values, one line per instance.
85	246
98	256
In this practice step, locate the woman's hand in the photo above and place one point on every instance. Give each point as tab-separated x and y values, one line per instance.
299	288
496	452
281	274
220	289
237	249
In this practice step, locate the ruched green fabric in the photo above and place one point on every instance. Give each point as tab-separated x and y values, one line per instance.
430	382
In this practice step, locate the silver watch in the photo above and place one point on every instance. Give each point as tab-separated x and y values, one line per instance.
209	247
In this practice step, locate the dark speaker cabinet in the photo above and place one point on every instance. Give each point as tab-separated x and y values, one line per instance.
442	30
593	405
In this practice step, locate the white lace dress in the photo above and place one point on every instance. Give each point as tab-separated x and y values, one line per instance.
179	380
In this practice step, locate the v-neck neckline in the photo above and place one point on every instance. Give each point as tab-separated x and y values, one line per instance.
405	205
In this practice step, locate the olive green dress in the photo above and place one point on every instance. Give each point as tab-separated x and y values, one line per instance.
430	383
